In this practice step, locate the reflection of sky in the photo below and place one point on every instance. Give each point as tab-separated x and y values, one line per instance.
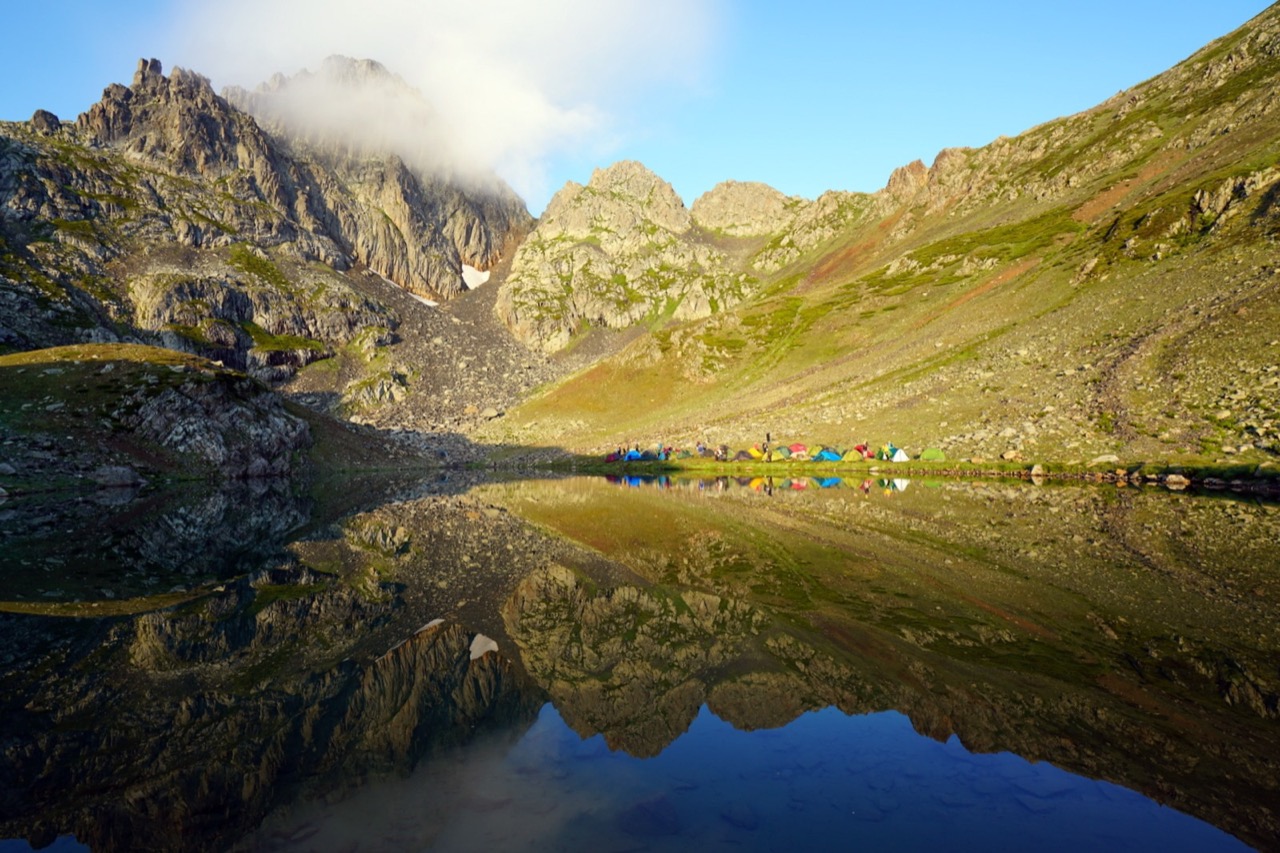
65	844
825	782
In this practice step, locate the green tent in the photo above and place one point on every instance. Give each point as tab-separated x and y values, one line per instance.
933	454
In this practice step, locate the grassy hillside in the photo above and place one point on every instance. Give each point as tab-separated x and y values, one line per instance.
1105	283
119	414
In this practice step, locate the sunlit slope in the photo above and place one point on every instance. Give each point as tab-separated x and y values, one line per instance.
1104	283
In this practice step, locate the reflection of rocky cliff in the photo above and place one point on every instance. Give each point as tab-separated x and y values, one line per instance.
763	609
98	549
181	727
181	730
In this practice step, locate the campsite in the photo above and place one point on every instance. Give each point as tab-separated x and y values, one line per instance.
820	462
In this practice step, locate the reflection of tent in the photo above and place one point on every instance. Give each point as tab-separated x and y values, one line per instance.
828	482
900	485
826	454
798	484
933	454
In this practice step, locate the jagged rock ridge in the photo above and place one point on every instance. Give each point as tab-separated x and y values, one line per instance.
166	212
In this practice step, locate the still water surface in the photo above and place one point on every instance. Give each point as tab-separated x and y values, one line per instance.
641	664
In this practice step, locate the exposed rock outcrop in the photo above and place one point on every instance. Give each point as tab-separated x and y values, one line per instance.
611	253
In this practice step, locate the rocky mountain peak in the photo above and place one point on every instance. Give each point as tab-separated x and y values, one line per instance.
907	180
744	209
611	253
177	118
353	109
357	71
618	202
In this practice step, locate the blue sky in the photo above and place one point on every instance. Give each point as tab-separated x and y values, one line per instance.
806	96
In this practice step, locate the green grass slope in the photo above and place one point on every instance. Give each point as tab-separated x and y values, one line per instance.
1102	284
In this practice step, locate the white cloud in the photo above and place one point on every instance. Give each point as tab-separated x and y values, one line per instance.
515	81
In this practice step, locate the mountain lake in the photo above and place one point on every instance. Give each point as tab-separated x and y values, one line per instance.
639	663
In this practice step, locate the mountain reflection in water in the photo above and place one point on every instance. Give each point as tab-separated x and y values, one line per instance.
746	638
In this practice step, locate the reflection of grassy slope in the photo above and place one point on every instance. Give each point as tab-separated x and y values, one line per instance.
1062	624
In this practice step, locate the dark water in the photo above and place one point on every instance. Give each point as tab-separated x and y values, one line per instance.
761	664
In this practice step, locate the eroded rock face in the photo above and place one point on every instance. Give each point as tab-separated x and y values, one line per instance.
610	253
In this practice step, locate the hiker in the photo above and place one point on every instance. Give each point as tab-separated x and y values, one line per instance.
765	453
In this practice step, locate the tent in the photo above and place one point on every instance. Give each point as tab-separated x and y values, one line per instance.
899	455
632	456
755	452
744	456
933	454
886	452
826	454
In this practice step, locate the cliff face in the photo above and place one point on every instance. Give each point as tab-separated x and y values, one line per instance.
411	215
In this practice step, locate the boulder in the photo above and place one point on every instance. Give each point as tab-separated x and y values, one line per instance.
46	122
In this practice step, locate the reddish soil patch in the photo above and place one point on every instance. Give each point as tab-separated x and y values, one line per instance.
1096	207
842	262
986	287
